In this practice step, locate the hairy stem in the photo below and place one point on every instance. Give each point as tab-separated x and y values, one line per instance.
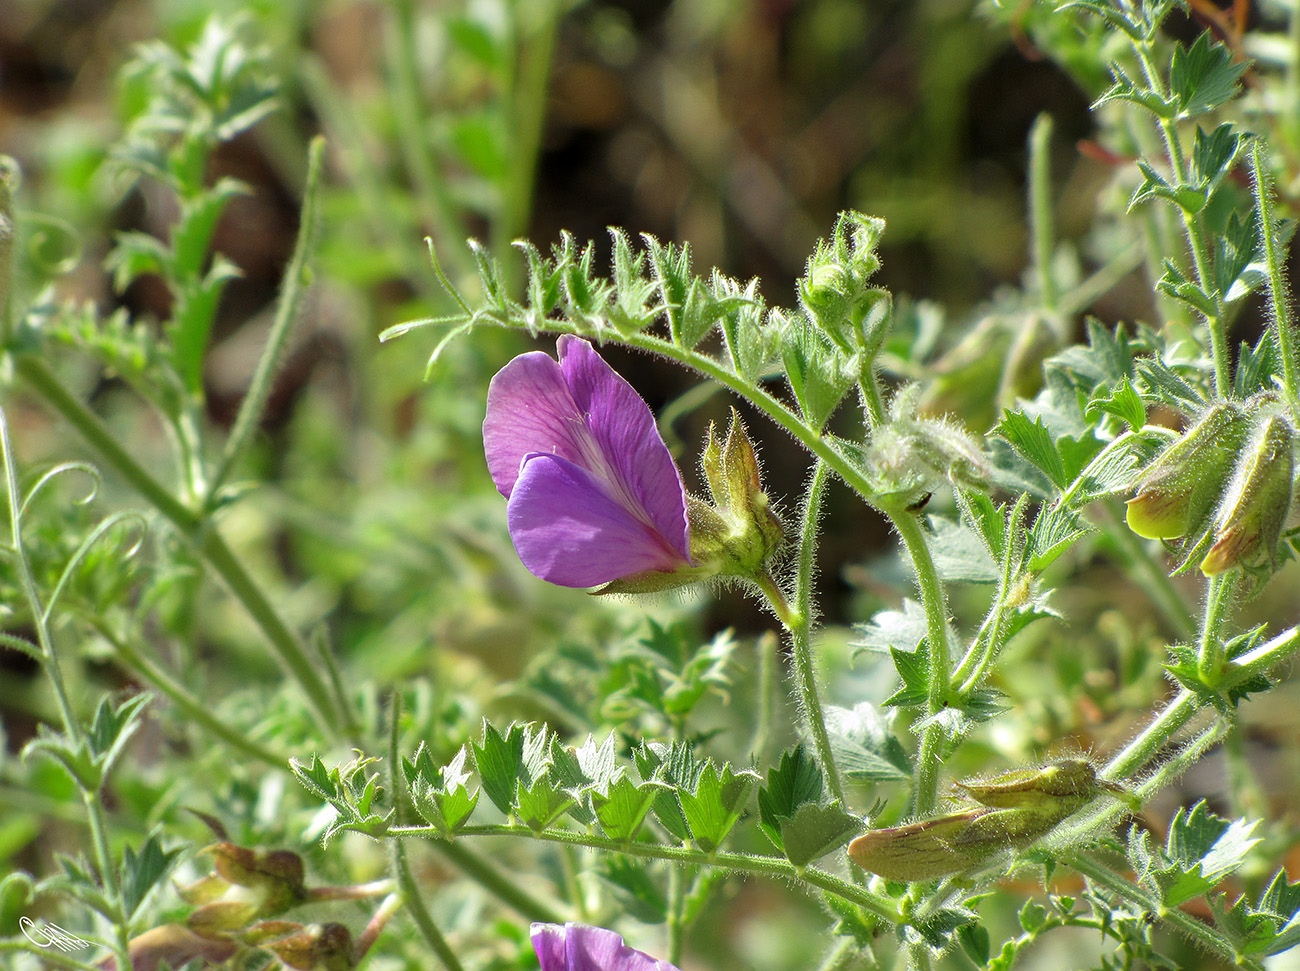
72	726
1196	242
1209	645
930	754
1284	324
283	641
1200	933
772	866
253	407
415	906
800	630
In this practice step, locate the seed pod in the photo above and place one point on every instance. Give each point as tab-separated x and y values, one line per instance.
1016	808
1178	491
1249	520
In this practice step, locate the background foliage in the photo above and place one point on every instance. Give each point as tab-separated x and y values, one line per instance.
296	536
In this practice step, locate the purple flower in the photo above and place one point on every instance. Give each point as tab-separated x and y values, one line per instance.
580	947
593	494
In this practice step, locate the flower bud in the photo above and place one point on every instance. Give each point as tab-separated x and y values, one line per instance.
835	292
912	453
248	884
1250	516
739	531
1178	491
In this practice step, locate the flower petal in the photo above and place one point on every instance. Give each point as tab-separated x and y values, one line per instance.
570	531
530	409
580	947
548	942
624	430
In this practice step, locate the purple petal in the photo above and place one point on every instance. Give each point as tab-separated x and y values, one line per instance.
577	409
626	434
569	530
530	409
580	947
548	942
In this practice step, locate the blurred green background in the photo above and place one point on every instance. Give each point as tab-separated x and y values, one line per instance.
740	127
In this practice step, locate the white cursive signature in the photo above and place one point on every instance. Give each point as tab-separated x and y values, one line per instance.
50	935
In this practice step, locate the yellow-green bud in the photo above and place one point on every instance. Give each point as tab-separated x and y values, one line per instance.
739	532
1178	491
1254	508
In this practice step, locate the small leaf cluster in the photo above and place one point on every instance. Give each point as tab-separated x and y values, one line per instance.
824	348
353	789
196	100
1131	932
644	684
1200	850
142	869
1199	853
794	812
91	760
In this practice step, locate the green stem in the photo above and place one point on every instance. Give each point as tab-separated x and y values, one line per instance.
504	888
1284	325
419	912
873	405
253	407
771	866
194	710
1196	243
1209	646
984	649
1174	715
1200	933
799	627
676	915
72	726
930	755
286	645
1040	209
